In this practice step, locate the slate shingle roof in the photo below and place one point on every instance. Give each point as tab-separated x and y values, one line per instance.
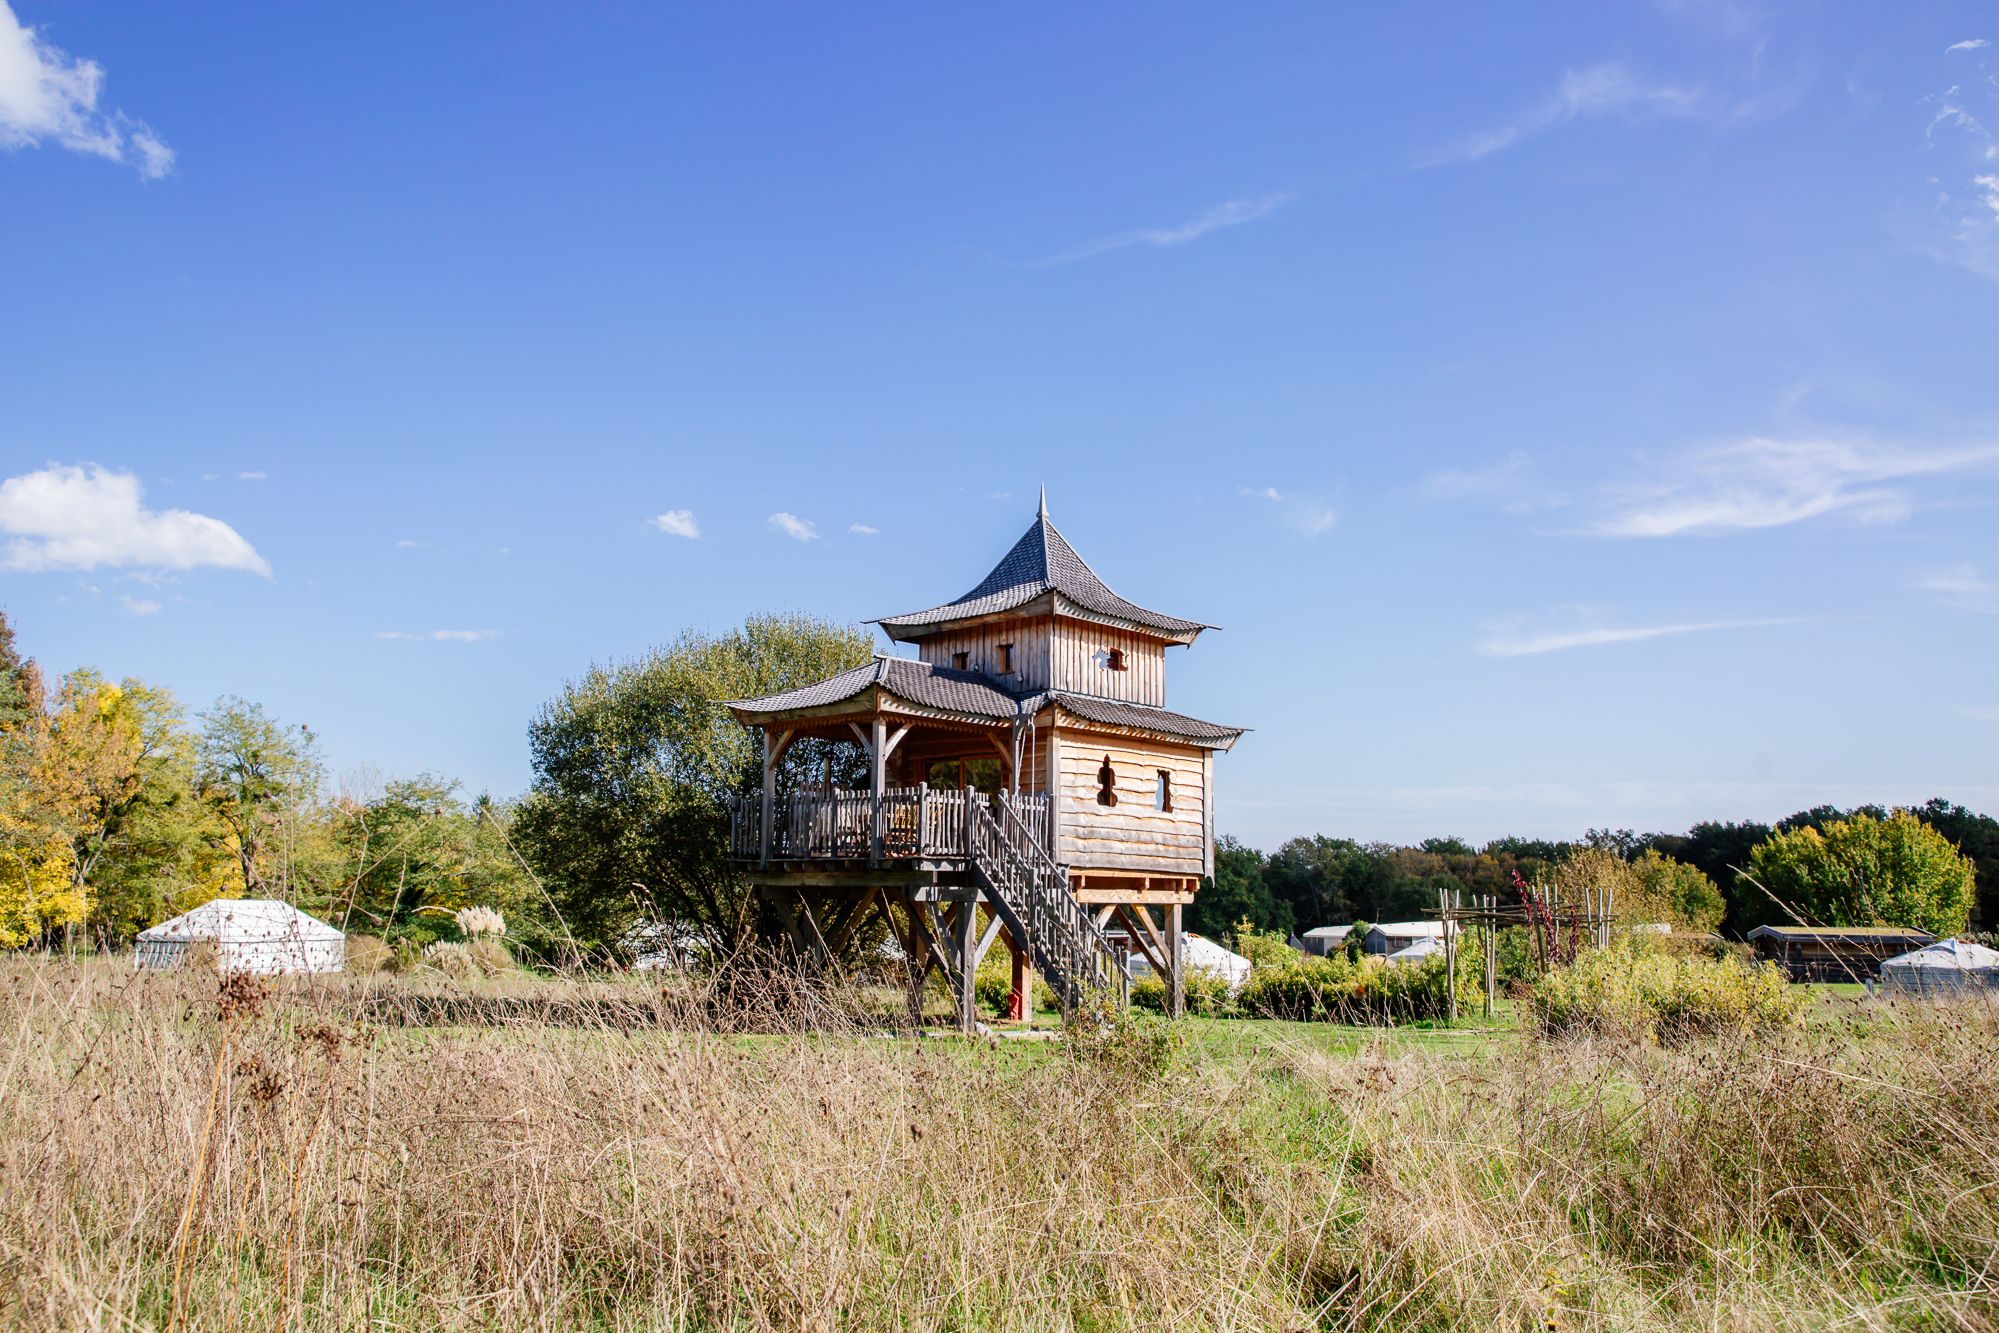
914	682
1042	561
1113	713
968	692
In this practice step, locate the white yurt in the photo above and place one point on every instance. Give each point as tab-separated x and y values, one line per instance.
1417	952
250	935
1201	954
1944	969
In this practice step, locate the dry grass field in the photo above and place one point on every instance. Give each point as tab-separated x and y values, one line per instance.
536	1154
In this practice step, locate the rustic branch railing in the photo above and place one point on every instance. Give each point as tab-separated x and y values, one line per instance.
921	822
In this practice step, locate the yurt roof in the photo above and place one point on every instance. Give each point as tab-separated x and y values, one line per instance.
1204	952
242	921
1958	955
1422	948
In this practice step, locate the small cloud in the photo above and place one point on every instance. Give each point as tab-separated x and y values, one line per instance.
1309	518
253	476
438	635
90	518
864	530
49	96
1306	517
1232	213
794	527
999	495
1500	645
1962	586
140	606
1969	44
1979	712
1505	484
410	544
678	523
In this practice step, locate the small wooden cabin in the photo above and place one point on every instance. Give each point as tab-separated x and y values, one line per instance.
1835	953
1023	766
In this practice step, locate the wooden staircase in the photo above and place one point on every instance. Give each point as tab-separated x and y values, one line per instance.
1030	894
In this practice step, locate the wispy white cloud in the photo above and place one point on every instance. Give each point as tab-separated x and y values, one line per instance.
49	96
410	544
1969	44
864	530
1307	517
140	606
438	635
1961	161
90	518
1232	213
1979	712
1508	484
1766	483
1612	89
1962	586
678	523
253	476
1517	645
794	527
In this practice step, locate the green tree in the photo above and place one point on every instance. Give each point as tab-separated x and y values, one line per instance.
258	779
1719	850
1864	871
412	855
1977	836
1676	893
1238	892
627	818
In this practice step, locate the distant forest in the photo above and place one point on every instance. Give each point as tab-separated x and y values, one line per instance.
1321	881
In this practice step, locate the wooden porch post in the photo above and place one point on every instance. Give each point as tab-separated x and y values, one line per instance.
967	926
878	765
770	793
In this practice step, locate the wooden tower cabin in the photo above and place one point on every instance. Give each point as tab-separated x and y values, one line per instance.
1023	768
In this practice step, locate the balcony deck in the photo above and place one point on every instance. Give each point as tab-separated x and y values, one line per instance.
910	826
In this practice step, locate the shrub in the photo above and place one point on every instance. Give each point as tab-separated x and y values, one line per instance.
1205	994
1368	990
1655	995
1125	1043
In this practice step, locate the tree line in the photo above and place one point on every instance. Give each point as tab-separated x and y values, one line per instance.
119	808
1935	865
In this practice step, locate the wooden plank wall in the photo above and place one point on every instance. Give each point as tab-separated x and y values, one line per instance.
1132	836
1081	650
980	643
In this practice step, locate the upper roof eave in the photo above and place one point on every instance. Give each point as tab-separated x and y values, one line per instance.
1040	563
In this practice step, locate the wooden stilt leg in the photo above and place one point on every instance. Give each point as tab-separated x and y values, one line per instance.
1020	1005
967	950
1176	951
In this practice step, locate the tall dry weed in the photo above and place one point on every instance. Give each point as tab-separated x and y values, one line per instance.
752	1152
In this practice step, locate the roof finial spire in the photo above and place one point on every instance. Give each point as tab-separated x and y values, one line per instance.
1044	499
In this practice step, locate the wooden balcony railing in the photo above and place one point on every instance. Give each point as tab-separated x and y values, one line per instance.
913	823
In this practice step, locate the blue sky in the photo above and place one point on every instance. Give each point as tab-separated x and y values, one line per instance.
1575	415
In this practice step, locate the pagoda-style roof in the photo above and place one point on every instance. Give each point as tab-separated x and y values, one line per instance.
902	678
1041	564
972	697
